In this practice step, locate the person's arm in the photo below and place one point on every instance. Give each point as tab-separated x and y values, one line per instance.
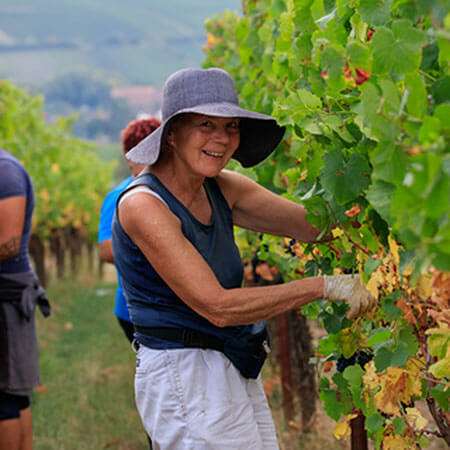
256	208
158	234
12	211
105	252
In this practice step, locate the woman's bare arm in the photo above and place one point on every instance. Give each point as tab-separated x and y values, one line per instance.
256	208
158	234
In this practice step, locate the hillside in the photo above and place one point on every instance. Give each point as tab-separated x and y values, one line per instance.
133	42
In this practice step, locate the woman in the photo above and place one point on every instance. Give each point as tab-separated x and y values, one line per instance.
201	338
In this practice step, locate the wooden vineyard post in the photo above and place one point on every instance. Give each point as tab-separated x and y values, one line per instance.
284	359
304	375
359	434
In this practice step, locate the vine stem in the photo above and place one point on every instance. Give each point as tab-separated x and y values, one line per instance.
433	432
358	246
438	416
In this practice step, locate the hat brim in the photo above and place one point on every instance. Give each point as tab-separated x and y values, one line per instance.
260	134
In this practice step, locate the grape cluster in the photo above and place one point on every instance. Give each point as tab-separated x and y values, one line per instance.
289	250
360	357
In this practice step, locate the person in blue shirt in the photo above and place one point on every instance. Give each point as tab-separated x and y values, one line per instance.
135	131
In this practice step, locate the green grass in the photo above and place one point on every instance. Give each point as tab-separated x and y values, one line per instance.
87	372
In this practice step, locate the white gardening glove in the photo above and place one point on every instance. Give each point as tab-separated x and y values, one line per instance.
348	288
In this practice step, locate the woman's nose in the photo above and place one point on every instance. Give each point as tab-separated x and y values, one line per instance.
222	135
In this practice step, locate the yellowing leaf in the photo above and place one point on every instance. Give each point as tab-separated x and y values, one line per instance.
371	379
415	419
342	429
375	281
391	442
441	369
397	385
438	341
424	287
337	232
408	270
393	247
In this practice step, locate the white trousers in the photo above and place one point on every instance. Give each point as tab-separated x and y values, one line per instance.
193	399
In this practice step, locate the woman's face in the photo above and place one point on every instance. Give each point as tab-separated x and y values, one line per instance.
204	144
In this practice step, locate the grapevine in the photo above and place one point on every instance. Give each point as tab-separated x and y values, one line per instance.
363	87
69	180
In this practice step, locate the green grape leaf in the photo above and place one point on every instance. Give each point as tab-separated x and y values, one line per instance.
407	346
399	425
374	422
390	97
360	55
440	90
332	405
417	95
442	112
353	375
397	49
379	194
430	130
442	396
444	51
388	162
370	266
379	336
382	359
310	101
345	179
328	345
375	12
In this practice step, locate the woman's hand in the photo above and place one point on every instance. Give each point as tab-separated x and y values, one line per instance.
349	288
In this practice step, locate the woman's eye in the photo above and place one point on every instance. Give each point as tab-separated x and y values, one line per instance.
234	125
206	124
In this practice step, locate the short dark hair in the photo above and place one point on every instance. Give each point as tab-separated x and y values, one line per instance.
137	130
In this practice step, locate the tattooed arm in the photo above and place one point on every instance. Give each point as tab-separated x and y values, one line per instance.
12	214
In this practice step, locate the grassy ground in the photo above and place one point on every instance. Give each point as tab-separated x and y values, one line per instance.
86	400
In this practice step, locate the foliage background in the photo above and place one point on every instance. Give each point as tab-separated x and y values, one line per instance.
363	89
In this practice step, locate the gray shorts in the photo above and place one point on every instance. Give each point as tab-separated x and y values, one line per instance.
19	365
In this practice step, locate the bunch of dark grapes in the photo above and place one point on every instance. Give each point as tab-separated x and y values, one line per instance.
361	357
289	248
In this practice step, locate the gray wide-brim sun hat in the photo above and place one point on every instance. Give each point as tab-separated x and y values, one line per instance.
210	92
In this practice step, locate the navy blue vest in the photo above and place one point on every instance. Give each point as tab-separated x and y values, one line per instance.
150	300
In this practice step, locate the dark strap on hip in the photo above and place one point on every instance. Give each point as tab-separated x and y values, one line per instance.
189	338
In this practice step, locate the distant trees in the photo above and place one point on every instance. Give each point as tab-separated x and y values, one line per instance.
89	97
78	90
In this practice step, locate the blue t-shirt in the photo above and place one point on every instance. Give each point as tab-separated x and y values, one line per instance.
104	234
15	181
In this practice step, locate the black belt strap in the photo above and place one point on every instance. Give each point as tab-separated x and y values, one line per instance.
189	338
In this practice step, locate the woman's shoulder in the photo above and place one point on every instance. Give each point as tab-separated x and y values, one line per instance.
233	185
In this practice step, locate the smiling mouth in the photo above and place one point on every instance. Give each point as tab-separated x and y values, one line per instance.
213	154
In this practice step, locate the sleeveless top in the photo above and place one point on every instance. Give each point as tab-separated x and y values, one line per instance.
150	300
